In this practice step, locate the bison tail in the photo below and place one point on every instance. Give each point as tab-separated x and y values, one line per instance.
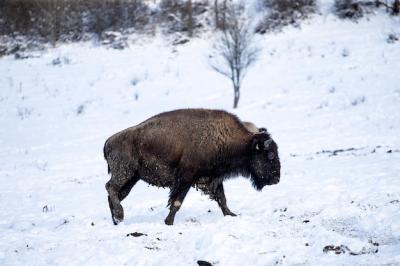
106	152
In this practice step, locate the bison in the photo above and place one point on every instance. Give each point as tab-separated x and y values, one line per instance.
189	148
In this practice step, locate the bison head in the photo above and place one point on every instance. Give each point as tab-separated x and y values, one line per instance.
265	166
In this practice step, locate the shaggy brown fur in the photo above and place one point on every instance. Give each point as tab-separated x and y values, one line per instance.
184	148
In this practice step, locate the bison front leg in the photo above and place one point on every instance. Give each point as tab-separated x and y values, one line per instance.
215	190
177	195
219	196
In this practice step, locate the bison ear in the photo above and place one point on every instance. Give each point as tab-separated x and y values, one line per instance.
262	129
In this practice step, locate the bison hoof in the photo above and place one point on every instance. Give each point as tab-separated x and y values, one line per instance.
118	216
116	221
169	221
228	212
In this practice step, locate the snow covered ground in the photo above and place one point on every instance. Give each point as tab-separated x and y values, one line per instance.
328	92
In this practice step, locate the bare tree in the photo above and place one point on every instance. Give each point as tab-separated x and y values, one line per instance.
396	7
190	18
219	13
216	13
234	50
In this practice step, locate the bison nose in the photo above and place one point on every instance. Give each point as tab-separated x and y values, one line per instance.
273	181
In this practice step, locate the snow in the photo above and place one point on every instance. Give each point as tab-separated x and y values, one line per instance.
331	85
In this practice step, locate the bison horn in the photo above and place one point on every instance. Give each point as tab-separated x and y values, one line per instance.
267	143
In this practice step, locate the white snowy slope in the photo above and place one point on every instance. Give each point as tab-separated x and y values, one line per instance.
329	86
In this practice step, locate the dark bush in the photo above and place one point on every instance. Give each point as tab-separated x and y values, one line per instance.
348	9
173	15
284	12
352	9
180	16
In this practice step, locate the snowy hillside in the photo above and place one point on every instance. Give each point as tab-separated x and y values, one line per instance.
328	92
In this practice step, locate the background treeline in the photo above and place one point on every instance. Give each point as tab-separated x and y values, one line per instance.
55	20
71	20
51	21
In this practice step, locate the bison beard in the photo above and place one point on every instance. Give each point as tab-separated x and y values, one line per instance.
189	148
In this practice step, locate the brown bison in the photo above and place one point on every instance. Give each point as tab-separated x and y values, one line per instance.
185	148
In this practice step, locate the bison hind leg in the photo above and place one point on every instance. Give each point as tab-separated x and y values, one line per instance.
124	191
118	188
115	212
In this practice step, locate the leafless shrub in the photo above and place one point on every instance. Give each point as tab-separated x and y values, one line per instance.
24	112
60	61
392	38
47	208
234	50
358	100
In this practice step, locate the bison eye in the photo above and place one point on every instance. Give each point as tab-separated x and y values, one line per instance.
271	155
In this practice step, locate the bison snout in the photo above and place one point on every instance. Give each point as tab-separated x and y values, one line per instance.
274	181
